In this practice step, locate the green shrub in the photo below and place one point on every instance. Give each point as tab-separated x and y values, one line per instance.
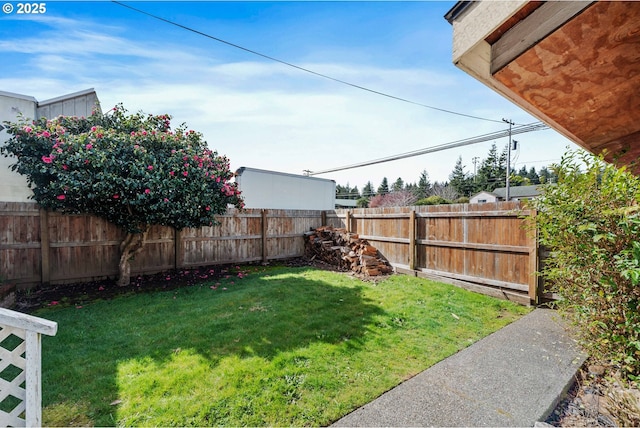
433	200
590	221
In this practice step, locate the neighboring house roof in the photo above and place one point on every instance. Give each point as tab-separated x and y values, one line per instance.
572	64
484	192
346	203
515	192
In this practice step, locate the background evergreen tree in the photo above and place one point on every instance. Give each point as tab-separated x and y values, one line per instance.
398	185
368	191
460	180
383	189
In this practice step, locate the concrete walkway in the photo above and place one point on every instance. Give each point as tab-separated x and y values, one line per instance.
514	377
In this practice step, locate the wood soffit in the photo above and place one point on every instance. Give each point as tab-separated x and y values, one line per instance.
576	65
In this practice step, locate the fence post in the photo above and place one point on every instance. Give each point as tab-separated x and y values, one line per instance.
534	289
323	218
412	240
45	267
178	246
33	374
347	221
30	329
265	229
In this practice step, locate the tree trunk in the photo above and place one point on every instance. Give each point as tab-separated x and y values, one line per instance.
130	246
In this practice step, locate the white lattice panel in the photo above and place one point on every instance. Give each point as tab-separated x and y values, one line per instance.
12	376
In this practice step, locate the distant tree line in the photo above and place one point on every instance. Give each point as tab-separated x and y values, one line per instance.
490	175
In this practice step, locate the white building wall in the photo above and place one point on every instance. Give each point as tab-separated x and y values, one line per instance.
483	197
13	186
278	190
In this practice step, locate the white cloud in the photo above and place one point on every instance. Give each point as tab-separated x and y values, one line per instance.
266	115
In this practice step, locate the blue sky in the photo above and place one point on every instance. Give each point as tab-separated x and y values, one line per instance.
264	114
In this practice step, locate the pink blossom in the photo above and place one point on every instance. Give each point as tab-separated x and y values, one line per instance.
27	129
61	197
171	173
46	134
93	129
88	146
65	167
133	133
217	179
166	199
116	196
47	159
150	167
208	208
173	152
147	191
144	132
185	173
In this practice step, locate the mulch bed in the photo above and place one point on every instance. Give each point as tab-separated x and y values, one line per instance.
78	294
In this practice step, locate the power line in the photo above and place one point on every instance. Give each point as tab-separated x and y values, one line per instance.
184	27
520	129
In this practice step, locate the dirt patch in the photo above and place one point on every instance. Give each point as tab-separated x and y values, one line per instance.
79	294
597	400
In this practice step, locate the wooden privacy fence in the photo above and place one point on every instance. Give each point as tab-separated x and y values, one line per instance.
482	247
46	247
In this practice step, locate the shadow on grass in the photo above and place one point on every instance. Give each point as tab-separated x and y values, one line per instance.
260	316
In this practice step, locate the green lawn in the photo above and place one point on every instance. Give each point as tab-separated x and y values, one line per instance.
279	346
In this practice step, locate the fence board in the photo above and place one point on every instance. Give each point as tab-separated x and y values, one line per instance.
482	245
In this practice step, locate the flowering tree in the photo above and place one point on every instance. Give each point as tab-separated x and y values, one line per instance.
131	170
400	198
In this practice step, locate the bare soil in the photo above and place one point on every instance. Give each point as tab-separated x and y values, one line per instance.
78	294
596	400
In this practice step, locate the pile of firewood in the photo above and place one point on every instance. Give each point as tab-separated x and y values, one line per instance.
345	250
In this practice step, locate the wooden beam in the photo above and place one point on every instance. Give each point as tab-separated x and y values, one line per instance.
528	32
265	230
478	280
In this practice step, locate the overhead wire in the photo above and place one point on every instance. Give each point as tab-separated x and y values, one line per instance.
325	76
519	129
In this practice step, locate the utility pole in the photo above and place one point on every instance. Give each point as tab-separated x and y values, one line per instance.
506	197
475	161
